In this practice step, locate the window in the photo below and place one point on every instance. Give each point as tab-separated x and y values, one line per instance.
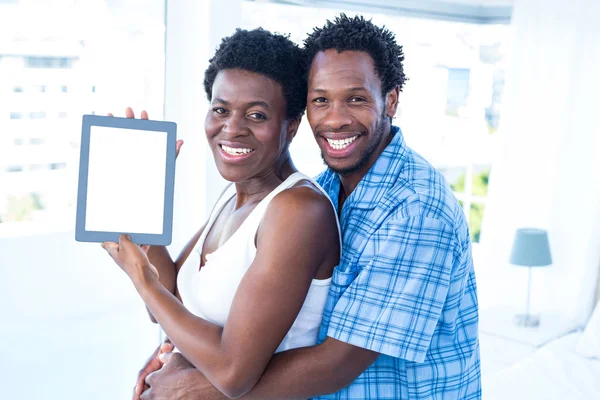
38	167
492	112
58	166
37	115
23	206
470	186
65	58
457	92
48	62
450	106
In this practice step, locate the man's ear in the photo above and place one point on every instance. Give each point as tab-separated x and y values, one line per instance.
391	101
292	128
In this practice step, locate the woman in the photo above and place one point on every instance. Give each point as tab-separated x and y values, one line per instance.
254	279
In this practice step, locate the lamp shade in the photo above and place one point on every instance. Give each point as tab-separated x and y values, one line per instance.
531	248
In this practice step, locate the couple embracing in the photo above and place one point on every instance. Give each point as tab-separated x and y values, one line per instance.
358	284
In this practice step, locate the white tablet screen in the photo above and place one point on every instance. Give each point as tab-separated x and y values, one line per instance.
126	180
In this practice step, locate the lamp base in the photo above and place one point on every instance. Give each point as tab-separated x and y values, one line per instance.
527	320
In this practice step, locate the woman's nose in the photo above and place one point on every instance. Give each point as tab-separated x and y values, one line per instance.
235	126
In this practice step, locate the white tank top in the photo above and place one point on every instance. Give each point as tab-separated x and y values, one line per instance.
208	292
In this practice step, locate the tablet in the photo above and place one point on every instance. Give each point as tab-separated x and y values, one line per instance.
126	180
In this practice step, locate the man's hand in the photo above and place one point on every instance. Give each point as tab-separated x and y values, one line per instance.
152	365
179	380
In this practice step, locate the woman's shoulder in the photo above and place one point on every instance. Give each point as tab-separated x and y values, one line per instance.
305	210
304	196
304	201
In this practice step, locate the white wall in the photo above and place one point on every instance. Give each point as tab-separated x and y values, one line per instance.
547	172
195	28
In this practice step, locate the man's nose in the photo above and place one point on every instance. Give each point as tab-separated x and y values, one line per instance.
338	116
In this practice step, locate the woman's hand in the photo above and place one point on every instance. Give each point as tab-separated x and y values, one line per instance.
132	258
144	115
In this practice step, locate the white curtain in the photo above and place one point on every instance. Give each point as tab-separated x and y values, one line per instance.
547	172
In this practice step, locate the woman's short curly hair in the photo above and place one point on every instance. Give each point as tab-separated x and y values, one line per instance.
358	34
265	53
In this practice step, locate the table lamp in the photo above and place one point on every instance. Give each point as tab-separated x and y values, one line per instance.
531	248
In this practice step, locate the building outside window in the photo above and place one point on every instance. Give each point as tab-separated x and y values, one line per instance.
46	71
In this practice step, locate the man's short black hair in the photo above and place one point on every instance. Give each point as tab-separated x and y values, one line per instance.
265	53
358	34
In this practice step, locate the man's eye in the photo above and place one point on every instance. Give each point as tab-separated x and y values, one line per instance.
319	100
257	115
356	99
219	110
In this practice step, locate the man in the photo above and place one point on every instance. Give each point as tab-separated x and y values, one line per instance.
401	320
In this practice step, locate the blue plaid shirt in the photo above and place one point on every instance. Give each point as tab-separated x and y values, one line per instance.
405	286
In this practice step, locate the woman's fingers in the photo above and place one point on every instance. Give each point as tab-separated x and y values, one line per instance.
111	248
178	147
166	347
129	113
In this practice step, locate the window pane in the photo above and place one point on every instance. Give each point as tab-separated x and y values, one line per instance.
457	94
475	218
481	177
455	176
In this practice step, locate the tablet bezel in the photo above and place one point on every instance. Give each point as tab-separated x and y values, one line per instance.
83	235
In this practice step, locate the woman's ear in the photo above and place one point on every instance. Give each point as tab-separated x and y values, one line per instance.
292	128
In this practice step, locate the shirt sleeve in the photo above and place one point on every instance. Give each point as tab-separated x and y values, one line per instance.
394	303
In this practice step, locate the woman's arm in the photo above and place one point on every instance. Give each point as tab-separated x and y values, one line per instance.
159	257
298	234
167	268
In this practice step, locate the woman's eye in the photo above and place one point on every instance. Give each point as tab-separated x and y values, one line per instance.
219	110
258	116
319	100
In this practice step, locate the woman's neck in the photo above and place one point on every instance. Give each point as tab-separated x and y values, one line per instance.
255	189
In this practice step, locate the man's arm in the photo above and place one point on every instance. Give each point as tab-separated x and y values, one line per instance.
295	374
312	371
